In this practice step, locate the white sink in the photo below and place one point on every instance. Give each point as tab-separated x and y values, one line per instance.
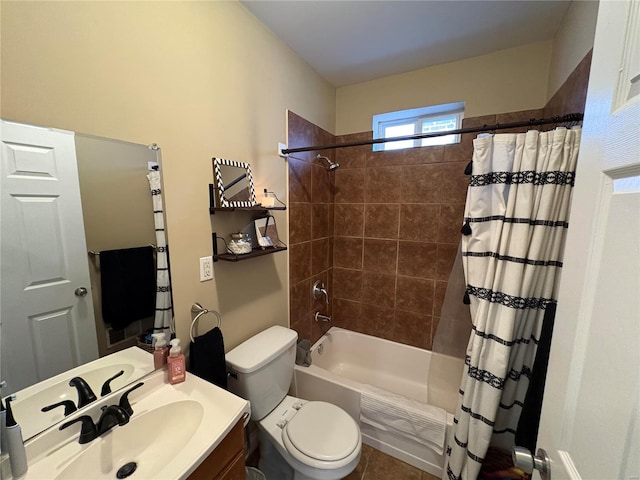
146	441
27	406
172	430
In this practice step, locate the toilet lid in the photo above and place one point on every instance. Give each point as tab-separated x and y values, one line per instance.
323	431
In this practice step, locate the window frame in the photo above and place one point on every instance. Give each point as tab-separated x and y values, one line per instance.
417	116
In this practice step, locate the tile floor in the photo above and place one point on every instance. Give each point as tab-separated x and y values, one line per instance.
375	465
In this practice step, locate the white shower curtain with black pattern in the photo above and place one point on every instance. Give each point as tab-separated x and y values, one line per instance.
516	216
163	322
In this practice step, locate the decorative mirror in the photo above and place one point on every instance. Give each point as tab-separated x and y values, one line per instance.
43	340
233	183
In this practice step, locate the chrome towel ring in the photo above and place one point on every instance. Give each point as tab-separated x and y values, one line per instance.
199	310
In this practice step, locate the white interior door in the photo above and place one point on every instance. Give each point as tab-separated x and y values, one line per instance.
47	325
590	422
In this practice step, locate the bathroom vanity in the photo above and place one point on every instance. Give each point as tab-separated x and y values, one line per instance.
192	430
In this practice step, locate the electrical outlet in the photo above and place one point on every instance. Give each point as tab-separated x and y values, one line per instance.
206	269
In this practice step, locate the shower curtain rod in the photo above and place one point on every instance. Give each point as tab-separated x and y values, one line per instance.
571	117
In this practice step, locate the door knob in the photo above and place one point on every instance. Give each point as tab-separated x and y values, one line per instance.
526	461
81	292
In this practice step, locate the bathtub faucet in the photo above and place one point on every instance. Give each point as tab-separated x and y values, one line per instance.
319	290
324	318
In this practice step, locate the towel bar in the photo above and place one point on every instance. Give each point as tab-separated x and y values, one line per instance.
200	310
97	254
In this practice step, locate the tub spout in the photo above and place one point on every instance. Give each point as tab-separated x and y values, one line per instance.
324	318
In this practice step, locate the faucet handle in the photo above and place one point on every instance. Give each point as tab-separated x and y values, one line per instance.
124	399
69	407
88	431
319	290
106	386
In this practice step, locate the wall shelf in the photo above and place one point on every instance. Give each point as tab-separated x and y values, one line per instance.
256	252
256	208
256	211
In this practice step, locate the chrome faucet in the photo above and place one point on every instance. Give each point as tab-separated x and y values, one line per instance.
319	290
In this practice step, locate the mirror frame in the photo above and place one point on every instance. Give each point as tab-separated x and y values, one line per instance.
220	186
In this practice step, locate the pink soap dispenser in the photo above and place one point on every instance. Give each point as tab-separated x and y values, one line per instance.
177	371
161	351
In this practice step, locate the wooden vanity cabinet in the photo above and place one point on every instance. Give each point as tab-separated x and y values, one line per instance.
226	462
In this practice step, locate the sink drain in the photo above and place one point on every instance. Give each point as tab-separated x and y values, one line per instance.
126	470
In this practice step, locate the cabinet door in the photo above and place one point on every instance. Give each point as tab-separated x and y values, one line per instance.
224	458
235	470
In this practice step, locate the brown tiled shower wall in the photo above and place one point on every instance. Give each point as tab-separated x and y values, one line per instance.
382	231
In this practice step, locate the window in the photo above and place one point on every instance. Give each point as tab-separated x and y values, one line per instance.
437	118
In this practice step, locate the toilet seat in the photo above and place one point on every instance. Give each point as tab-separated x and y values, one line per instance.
323	435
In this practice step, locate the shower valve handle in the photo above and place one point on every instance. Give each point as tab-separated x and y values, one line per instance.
319	290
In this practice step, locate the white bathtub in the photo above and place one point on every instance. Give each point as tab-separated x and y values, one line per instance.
349	360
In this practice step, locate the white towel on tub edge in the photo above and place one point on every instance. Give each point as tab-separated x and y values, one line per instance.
403	416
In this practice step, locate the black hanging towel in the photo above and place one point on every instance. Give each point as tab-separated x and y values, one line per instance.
529	423
128	285
206	357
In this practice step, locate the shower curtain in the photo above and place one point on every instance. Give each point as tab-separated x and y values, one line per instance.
163	322
516	217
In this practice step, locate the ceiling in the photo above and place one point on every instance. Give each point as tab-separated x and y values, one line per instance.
350	42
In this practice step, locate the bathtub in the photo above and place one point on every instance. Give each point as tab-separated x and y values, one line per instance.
343	361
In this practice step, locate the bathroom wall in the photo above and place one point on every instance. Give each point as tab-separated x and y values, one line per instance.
397	219
311	225
200	79
572	42
397	226
572	95
505	81
515	79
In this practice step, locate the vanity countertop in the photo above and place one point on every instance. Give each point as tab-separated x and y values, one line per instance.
133	362
172	430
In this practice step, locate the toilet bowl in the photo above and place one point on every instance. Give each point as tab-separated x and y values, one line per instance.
317	439
299	440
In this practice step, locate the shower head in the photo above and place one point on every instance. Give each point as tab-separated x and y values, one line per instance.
332	166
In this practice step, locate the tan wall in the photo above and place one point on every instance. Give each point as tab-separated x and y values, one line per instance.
505	81
200	79
572	42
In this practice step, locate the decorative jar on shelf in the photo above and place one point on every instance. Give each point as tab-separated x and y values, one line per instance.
239	243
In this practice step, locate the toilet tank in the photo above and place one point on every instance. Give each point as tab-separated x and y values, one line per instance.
261	368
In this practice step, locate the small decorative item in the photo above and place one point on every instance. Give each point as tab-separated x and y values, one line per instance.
233	184
266	232
239	243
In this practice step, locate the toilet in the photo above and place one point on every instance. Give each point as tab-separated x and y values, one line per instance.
299	439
